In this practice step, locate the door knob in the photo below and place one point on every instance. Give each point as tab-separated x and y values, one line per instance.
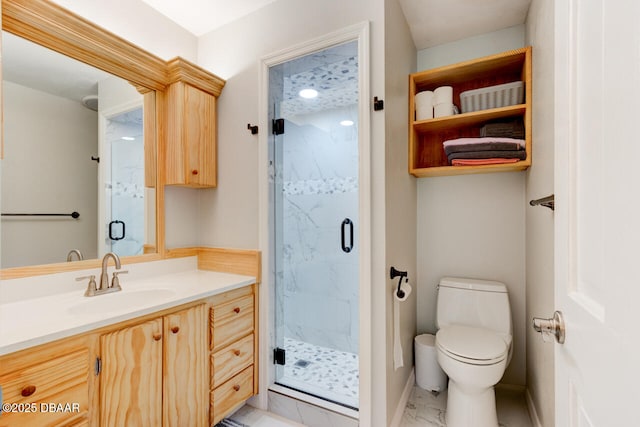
553	326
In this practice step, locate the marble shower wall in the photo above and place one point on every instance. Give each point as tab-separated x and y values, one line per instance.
319	176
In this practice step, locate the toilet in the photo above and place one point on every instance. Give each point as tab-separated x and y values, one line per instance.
473	345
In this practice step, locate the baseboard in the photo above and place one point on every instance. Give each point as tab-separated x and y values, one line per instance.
533	414
397	416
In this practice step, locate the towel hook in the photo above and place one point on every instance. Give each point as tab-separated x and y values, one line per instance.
547	202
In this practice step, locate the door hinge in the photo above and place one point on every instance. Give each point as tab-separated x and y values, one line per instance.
279	356
98	366
278	126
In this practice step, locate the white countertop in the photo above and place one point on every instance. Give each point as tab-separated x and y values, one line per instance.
29	322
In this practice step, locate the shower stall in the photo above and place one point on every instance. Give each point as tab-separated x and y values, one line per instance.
314	209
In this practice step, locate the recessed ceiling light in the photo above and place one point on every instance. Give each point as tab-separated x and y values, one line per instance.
308	93
128	138
347	123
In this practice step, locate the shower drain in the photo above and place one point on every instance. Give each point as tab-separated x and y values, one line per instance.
302	363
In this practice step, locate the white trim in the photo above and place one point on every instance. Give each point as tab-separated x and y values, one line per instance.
359	32
404	398
533	413
315	401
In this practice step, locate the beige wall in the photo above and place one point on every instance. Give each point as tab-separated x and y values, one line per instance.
473	225
49	141
400	196
539	220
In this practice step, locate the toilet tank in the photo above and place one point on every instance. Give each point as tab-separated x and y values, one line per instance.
473	302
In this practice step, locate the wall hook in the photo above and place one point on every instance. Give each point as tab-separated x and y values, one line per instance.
95	159
253	129
547	202
378	104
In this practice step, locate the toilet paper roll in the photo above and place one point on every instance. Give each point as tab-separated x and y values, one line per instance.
398	360
443	95
424	105
424	113
424	99
444	109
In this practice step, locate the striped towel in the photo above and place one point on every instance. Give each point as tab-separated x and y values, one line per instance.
227	422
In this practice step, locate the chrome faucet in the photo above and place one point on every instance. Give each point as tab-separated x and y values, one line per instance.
75	252
104	287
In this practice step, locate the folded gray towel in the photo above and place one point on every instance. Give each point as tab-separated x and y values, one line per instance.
508	129
485	146
499	154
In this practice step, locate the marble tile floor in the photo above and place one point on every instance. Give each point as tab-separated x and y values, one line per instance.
321	371
425	409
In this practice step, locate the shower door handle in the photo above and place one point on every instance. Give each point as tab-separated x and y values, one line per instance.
345	223
111	234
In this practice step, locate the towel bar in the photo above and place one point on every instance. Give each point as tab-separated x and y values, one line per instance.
547	202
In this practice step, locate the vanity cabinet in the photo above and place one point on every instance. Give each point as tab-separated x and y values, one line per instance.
191	149
426	154
154	373
233	350
51	385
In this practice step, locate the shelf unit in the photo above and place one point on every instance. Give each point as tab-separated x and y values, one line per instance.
426	154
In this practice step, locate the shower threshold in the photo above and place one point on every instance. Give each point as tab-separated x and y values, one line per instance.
325	373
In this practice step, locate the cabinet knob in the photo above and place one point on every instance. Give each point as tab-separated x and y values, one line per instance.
236	310
194	172
29	390
236	387
157	337
236	352
175	329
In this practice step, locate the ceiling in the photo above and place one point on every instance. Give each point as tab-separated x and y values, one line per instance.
435	22
201	16
432	22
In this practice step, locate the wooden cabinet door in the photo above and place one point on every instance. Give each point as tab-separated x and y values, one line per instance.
131	378
186	382
200	134
191	154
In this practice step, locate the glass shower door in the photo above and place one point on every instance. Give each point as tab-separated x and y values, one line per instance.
125	190
314	154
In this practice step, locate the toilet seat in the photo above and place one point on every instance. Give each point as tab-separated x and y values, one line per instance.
474	346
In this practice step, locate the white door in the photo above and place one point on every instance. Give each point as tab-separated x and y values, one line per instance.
597	243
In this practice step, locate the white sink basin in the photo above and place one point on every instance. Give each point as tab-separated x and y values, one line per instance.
120	301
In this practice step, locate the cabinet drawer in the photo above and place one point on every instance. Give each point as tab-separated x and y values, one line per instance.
230	321
231	360
62	381
230	394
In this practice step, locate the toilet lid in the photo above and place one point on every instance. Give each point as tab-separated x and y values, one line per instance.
477	344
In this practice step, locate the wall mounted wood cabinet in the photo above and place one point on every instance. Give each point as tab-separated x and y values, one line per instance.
191	154
426	154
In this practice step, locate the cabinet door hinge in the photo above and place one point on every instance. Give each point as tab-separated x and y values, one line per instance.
98	366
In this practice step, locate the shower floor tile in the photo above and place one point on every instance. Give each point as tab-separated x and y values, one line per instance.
321	371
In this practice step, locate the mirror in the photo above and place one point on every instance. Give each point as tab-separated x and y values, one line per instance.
74	142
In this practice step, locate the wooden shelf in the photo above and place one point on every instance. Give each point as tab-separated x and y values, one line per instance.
426	154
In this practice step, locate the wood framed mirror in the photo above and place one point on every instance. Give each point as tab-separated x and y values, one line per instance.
52	27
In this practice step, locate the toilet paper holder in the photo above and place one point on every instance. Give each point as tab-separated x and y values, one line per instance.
393	273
